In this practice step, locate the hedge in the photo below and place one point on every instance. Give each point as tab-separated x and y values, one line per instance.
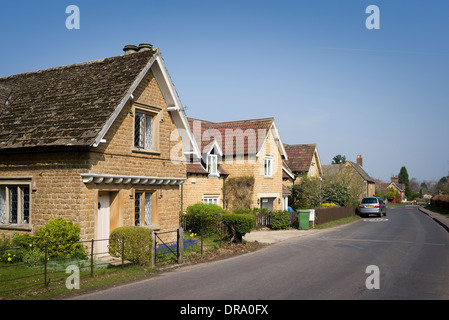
137	244
202	216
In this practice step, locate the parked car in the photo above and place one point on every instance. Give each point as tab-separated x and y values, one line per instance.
372	205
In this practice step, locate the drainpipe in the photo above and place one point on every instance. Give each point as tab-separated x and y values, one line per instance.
224	191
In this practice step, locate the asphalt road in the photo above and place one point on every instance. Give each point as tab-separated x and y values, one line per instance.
407	248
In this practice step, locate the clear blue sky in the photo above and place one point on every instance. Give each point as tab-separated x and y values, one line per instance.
312	65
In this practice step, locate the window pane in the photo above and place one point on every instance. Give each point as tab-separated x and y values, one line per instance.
148	132
267	167
13	205
137	209
148	208
25	204
138	128
2	205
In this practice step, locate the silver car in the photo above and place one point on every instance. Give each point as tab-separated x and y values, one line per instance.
372	205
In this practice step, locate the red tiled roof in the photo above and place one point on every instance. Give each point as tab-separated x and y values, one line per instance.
234	137
197	168
299	156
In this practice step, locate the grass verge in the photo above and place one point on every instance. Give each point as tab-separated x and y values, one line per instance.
439	210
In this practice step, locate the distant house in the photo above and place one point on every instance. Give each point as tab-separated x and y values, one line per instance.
303	160
394	183
93	143
353	175
246	148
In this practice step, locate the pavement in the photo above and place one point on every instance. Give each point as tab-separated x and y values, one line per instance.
439	218
273	236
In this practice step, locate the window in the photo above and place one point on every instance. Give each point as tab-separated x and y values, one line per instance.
212	164
268	164
143	209
210	200
143	131
14	204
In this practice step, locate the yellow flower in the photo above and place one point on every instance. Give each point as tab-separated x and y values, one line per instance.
9	254
9	259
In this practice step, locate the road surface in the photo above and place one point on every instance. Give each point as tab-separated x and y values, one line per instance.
401	256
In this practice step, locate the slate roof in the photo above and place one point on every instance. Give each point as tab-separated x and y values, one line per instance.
251	132
360	171
66	106
333	169
300	156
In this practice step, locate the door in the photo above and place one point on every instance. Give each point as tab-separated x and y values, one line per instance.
103	223
267	203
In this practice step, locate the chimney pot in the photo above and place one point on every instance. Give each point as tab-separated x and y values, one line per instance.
130	48
145	47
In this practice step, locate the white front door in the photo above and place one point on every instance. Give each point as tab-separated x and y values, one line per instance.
103	222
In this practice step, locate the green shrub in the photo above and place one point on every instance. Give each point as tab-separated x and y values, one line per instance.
201	216
137	241
279	220
238	225
62	239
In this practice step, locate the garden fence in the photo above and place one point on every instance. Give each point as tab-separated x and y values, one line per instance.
43	269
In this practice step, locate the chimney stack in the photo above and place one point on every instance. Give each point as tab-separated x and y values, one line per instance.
395	179
360	160
130	49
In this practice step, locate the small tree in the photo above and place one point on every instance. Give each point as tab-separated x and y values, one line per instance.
403	179
337	192
306	194
339	158
391	193
238	225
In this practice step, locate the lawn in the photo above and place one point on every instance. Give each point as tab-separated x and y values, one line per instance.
31	278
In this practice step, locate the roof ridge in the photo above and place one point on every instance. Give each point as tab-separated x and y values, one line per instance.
75	65
246	120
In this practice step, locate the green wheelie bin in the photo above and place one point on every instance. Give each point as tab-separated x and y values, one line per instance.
303	217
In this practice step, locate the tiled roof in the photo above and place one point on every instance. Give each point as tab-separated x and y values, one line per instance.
285	191
66	106
197	168
234	137
299	156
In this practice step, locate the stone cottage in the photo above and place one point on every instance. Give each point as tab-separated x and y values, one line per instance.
101	143
245	148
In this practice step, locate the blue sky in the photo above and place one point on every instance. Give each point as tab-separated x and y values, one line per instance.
312	65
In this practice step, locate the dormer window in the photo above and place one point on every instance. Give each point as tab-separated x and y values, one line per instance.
212	164
268	167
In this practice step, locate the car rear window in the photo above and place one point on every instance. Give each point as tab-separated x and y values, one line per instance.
369	200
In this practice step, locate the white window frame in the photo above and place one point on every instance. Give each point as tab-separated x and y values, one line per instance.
268	167
210	199
212	165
